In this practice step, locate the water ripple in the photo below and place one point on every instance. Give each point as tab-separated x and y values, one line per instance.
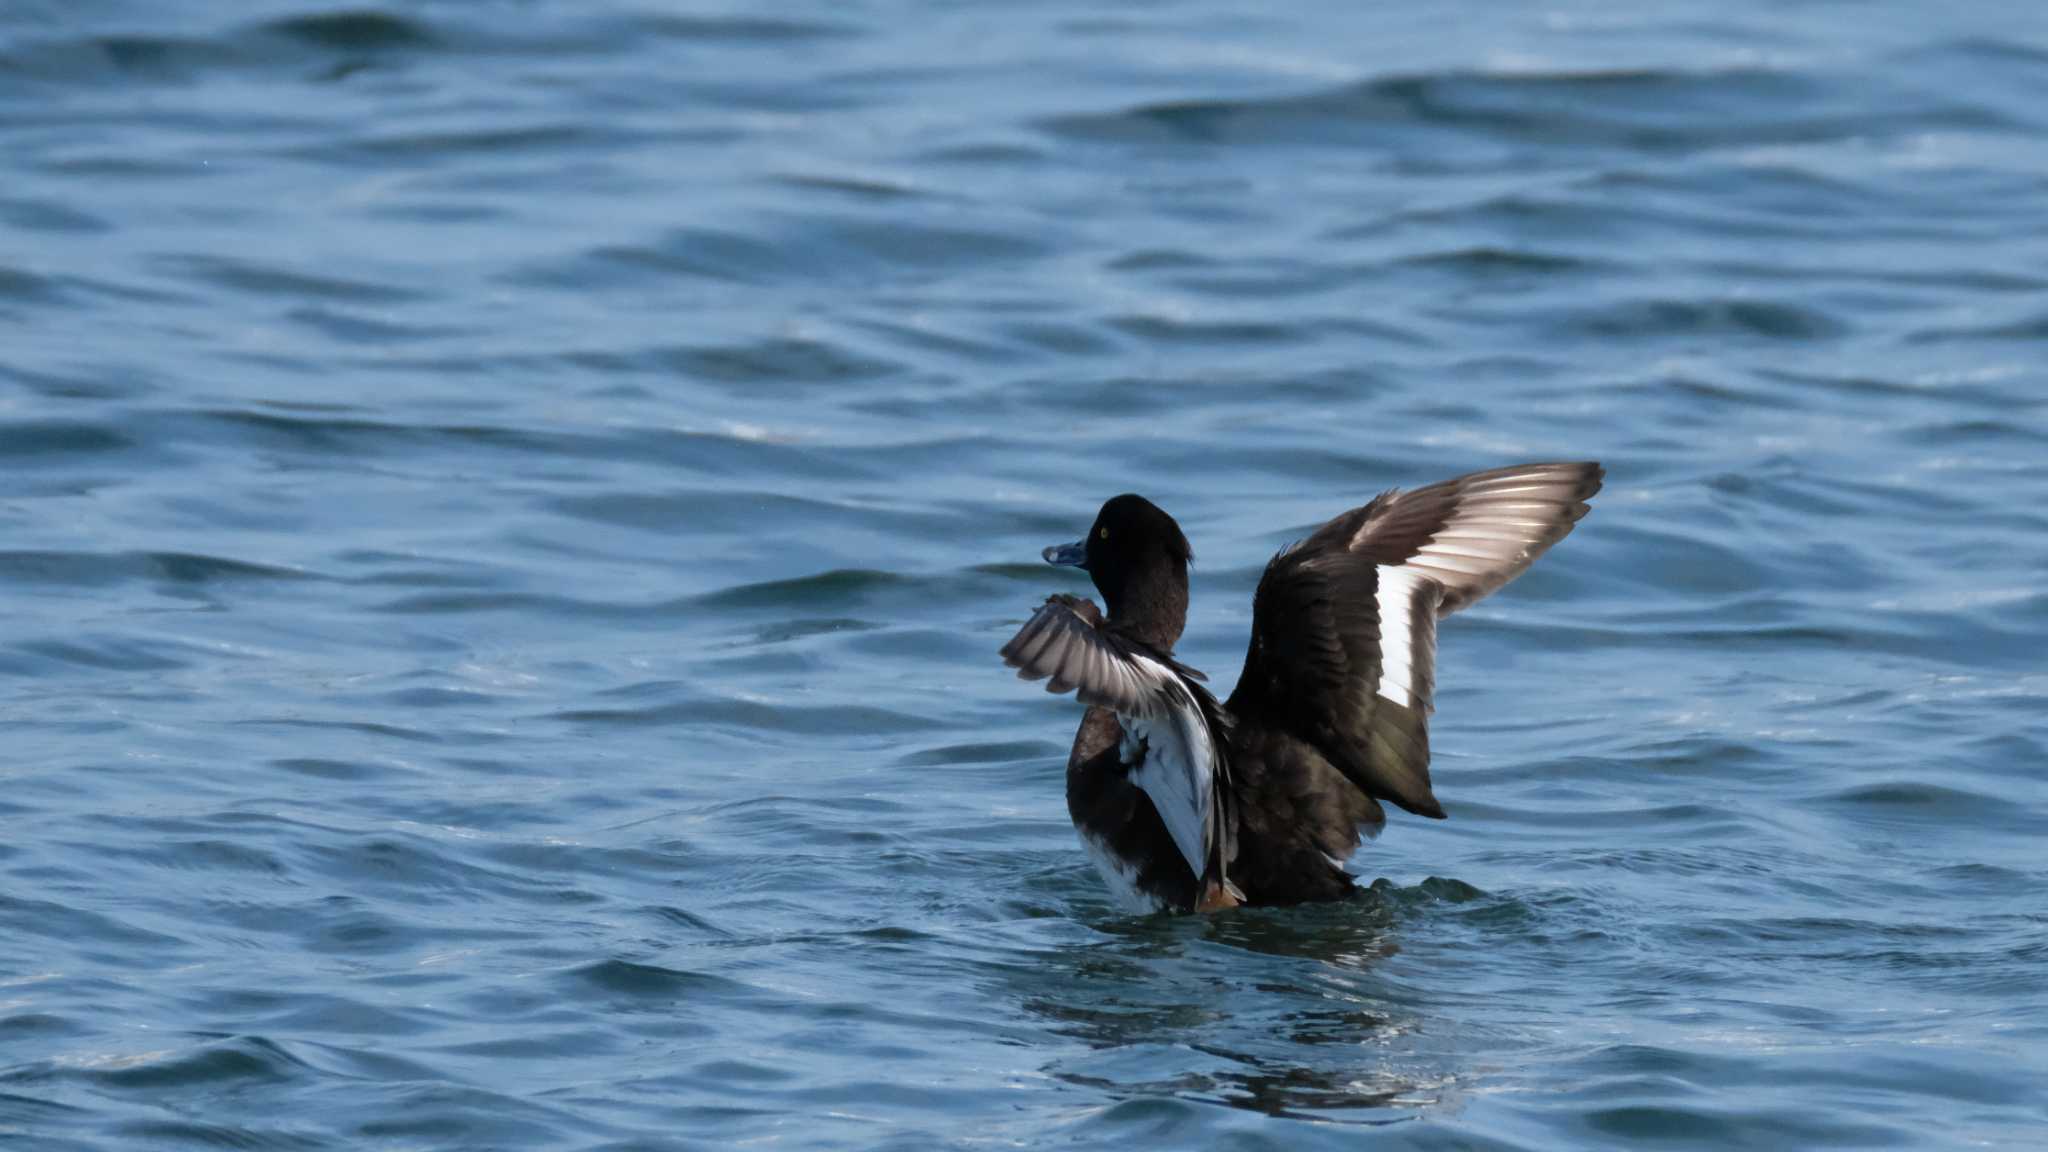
510	522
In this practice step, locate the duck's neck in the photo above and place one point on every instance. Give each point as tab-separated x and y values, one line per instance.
1152	606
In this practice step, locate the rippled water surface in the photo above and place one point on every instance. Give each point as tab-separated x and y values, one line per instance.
509	512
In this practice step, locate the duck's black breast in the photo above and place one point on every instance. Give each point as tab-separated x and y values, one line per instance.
1119	826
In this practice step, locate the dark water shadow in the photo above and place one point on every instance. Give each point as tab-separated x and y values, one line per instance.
1275	1011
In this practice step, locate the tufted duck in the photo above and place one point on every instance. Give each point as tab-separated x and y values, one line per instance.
1186	803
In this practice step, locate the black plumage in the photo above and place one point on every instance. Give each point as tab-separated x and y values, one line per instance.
1189	803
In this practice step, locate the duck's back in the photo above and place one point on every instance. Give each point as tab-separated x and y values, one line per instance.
1298	818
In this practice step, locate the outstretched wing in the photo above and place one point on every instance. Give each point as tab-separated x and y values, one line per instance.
1470	534
1173	720
1343	641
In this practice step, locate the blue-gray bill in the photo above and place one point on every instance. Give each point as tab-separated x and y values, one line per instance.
1073	555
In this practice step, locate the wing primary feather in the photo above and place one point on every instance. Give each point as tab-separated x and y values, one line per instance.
1154	698
1037	634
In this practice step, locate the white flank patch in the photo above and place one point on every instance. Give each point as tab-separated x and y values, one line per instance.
1120	876
1396	595
1179	767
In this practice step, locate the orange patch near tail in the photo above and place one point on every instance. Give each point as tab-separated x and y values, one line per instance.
1216	898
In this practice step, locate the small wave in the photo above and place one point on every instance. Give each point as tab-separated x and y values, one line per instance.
1649	109
455	146
357	327
364	30
1732	1127
274	282
21	1025
2026	329
727	713
35	215
735	28
99	653
1219	331
427	1111
323	768
257	1137
209	855
1492	261
865	188
839	588
1980	433
778	364
1920	798
532	604
810	249
423	870
363	727
99	569
653	984
713	510
337	40
673	917
804	628
1669	319
246	1060
34	441
980	753
88	59
19	285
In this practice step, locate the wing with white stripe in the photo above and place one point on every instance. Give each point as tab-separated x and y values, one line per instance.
1169	722
1344	623
1343	655
1473	533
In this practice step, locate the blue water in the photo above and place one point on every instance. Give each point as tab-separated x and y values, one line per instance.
509	511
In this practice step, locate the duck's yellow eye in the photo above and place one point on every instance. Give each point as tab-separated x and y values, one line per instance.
1102	533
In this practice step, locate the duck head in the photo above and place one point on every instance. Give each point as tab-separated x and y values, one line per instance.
1138	558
